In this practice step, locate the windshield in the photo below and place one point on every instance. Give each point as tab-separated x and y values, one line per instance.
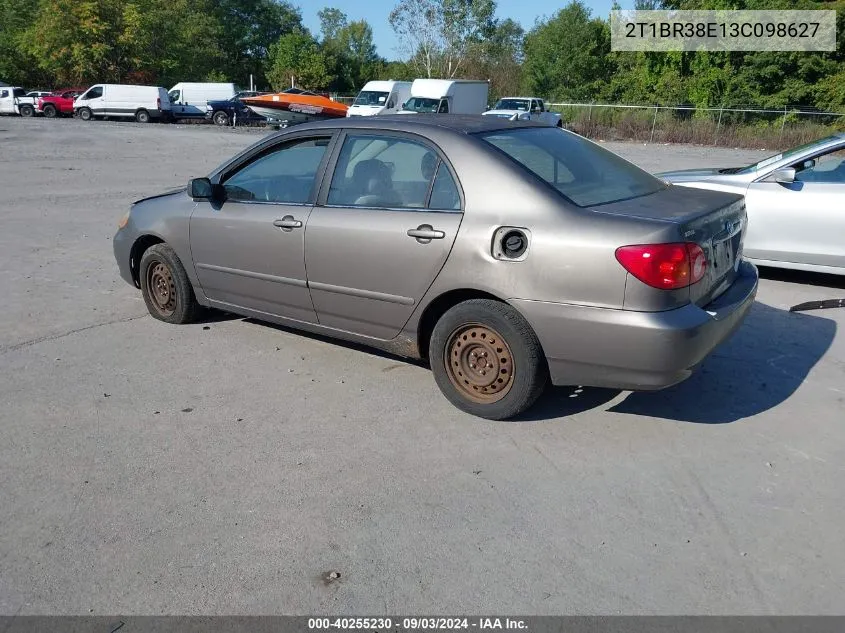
421	104
371	98
512	104
791	152
584	172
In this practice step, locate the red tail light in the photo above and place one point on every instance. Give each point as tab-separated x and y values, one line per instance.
664	266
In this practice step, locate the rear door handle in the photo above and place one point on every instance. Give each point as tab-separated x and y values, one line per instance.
425	233
287	223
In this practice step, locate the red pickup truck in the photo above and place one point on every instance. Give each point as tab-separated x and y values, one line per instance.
60	103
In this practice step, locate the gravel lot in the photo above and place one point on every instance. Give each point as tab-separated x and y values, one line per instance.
229	466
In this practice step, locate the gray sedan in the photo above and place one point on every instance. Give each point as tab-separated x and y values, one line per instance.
795	201
508	255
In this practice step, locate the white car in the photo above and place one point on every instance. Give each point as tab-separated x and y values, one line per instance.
524	109
795	201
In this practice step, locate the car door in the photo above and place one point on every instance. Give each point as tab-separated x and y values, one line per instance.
176	103
249	250
803	221
95	100
387	218
7	101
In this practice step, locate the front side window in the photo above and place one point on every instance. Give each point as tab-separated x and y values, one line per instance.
386	172
19	92
371	98
173	95
94	93
828	168
4	94
580	170
283	175
422	104
444	107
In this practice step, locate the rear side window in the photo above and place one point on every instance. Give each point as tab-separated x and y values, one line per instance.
583	172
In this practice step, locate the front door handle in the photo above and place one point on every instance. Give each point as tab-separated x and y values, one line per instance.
287	223
424	233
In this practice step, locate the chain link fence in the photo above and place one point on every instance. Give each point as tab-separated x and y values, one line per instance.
729	126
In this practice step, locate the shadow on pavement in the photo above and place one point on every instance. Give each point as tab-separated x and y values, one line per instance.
560	402
761	366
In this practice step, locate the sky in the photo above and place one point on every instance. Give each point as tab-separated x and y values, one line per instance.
376	11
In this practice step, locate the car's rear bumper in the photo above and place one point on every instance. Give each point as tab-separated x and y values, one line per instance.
638	351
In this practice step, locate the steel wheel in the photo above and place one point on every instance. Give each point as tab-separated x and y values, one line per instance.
479	363
162	288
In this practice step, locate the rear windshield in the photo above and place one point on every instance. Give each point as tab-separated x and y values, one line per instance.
584	172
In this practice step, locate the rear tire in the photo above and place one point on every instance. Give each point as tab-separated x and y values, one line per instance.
221	118
50	111
27	110
165	286
487	360
85	114
142	116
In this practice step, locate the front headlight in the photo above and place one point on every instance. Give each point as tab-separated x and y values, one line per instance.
123	221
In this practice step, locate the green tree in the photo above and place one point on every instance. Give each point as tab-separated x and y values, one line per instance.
78	41
437	35
250	28
16	63
566	56
498	58
297	58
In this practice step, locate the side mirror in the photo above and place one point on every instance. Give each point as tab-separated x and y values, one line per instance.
201	189
785	175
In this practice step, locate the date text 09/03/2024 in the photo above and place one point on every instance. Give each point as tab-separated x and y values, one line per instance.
417	624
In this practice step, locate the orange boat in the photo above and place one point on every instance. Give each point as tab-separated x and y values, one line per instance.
296	106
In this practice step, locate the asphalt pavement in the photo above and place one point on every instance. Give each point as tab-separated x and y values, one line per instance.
234	467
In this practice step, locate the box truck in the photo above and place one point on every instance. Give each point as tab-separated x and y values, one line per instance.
380	97
453	96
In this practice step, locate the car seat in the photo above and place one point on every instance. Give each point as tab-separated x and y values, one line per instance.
372	185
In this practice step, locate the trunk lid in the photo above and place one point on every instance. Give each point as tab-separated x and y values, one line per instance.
714	220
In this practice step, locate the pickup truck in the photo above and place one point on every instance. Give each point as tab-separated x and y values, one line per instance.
60	103
232	111
524	109
14	100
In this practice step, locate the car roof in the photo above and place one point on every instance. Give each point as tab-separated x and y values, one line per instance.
459	123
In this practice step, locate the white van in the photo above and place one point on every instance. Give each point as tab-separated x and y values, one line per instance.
454	96
188	99
380	97
142	103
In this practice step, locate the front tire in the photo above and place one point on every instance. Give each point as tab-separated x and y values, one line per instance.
487	360
85	114
221	118
50	111
165	286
